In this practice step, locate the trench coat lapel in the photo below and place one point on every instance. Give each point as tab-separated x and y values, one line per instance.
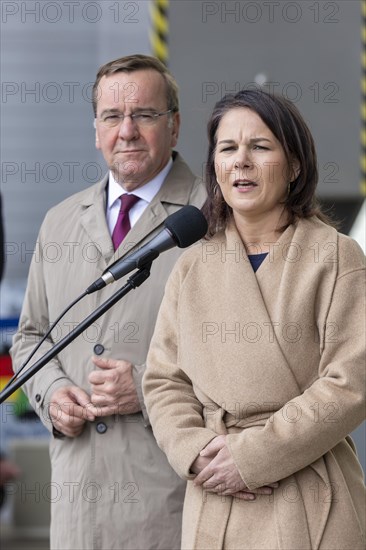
93	220
176	190
260	285
248	299
241	276
152	217
94	223
270	272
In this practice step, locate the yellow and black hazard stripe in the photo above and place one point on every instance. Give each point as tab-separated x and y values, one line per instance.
363	101
160	30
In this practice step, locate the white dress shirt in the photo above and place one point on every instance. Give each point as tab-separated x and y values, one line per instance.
146	193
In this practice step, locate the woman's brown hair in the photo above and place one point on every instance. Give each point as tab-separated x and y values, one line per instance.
287	125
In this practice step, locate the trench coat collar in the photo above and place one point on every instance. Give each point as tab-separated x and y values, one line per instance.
259	285
175	190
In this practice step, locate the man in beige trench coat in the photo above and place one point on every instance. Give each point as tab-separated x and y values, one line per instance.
112	486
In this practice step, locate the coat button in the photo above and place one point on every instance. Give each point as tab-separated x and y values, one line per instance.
98	349
38	397
101	428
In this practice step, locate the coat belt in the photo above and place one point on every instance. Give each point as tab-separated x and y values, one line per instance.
291	523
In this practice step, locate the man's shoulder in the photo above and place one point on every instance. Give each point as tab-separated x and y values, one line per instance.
181	169
182	186
74	202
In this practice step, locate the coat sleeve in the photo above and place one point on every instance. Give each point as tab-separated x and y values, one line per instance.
333	405
175	413
137	374
33	323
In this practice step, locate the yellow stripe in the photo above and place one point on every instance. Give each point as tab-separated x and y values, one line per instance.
363	59
160	22
363	110
160	48
160	30
363	85
14	396
162	4
363	137
363	163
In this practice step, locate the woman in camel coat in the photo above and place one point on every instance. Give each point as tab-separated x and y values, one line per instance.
256	371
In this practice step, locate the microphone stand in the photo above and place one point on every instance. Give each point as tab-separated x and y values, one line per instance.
133	282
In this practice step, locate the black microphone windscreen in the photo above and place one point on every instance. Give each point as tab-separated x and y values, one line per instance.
187	225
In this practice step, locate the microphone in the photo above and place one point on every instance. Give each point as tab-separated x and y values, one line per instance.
183	228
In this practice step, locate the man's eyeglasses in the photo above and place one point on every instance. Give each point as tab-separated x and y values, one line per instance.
141	118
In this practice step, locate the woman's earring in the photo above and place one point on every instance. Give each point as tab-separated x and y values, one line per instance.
288	189
216	190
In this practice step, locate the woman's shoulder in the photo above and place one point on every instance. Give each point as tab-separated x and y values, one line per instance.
350	255
347	252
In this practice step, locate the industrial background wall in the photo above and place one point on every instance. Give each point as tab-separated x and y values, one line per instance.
308	51
50	52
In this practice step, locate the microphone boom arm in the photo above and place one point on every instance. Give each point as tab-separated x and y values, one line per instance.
133	282
109	276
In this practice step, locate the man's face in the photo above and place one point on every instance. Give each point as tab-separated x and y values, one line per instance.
134	152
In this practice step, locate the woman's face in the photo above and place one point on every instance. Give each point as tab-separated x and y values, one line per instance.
250	165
